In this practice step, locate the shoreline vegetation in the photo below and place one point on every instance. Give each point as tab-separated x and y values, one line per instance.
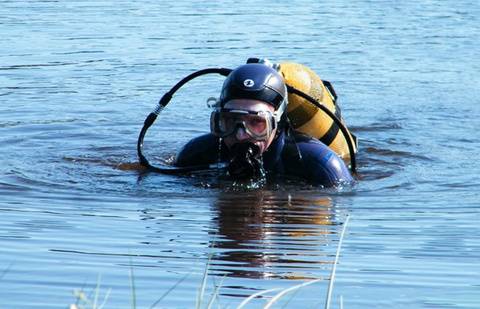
97	301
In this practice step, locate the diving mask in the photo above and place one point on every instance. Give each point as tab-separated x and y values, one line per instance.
259	125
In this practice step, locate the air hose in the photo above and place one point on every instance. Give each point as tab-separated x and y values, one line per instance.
224	72
353	161
153	116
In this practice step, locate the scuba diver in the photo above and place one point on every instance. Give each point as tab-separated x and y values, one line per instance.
252	132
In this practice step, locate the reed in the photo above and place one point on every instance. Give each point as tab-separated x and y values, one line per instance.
215	294
248	299
168	291
288	290
201	290
132	286
283	292
83	301
334	268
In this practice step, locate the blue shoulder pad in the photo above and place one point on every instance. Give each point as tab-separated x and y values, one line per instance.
317	163
198	151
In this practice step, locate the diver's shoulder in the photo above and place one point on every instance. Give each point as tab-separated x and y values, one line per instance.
315	160
202	149
302	139
314	149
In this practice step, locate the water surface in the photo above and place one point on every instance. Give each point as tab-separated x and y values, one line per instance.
78	78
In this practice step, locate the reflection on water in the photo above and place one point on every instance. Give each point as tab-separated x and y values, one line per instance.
267	234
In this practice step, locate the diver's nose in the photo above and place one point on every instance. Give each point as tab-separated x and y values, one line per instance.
241	134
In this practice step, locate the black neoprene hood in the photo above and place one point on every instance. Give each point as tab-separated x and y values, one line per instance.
254	81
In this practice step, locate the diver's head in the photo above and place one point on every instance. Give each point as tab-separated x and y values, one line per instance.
252	103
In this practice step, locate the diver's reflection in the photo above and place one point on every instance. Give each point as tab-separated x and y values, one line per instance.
271	234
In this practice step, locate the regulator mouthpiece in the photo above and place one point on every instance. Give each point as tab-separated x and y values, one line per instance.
246	162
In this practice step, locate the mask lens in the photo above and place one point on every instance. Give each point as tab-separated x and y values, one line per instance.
256	124
227	122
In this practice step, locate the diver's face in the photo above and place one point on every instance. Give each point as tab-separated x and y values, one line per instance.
240	135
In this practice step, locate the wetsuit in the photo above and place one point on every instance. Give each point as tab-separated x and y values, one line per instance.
293	154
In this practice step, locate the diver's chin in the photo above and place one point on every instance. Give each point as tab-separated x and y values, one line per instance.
246	161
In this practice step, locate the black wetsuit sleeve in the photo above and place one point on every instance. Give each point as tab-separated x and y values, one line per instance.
200	150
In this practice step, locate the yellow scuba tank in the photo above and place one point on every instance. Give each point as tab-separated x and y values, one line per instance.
309	119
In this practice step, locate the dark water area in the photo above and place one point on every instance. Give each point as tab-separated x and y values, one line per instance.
77	80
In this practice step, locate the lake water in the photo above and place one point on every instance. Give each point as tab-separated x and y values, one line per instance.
77	79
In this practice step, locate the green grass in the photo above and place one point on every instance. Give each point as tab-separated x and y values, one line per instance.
84	301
